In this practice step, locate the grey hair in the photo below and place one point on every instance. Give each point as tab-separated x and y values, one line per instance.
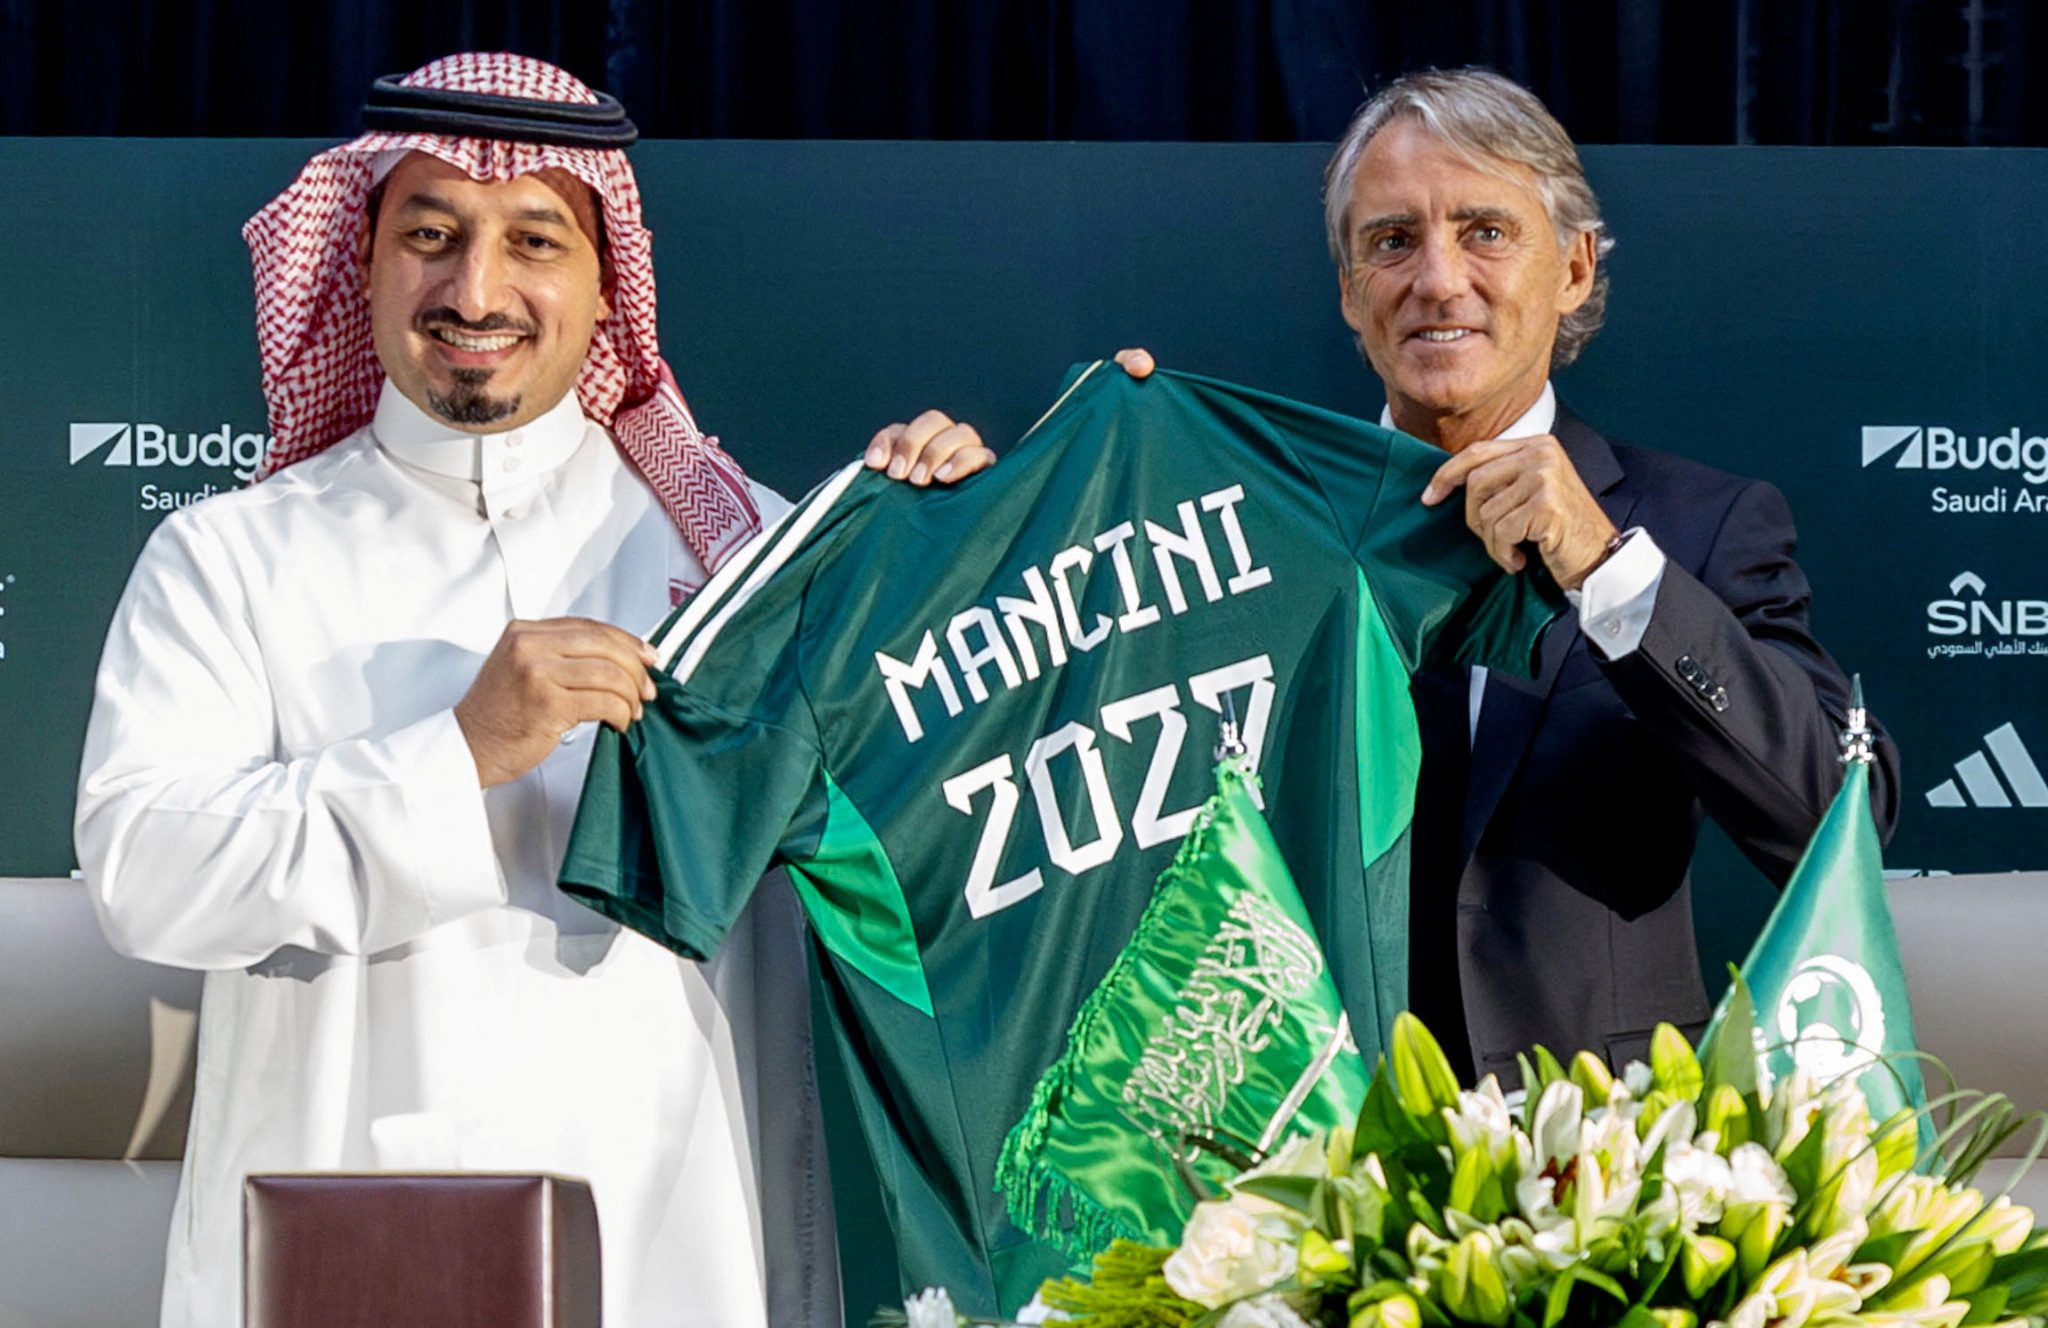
1491	120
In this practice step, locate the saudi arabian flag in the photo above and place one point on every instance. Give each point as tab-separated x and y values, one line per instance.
1828	990
1218	1021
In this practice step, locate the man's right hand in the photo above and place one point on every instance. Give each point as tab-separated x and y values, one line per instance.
543	679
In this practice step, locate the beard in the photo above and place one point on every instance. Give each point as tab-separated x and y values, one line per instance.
468	402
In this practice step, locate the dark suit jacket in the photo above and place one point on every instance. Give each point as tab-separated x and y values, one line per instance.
1573	905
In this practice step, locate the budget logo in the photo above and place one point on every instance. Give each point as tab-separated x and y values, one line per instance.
1977	783
1881	439
149	446
1969	474
87	439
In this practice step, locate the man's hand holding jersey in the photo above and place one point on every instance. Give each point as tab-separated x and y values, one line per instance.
1517	491
544	678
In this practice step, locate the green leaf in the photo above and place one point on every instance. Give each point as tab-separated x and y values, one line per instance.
1594	1278
1802	1165
1673	1065
1555	1303
1729	1055
1966	1265
1986	1304
1301	1193
1364	1207
1383	1127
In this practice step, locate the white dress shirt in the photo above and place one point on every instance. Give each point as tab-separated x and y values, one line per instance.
1615	600
275	789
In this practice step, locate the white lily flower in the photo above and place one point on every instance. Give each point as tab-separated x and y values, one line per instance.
1793	1106
1925	1304
1234	1248
1828	1257
1270	1311
2005	1223
1638	1078
1792	1292
1674	1125
1558	1115
931	1308
1482	1121
1701	1179
1756	1177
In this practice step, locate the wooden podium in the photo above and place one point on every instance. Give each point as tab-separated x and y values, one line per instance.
395	1250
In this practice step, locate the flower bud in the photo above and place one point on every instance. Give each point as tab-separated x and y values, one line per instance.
1423	1082
1593	1077
1703	1261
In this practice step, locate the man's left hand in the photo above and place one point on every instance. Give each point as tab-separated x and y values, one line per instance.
931	447
1525	490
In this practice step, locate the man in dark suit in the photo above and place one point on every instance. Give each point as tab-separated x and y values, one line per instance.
1556	818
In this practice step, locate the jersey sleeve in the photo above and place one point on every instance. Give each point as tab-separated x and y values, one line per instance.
1441	597
683	812
1444	600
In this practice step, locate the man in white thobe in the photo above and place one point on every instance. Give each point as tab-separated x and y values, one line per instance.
323	767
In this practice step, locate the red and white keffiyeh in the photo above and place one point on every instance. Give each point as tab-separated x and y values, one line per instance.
320	372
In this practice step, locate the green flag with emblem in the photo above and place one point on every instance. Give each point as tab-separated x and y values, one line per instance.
1825	977
1218	1021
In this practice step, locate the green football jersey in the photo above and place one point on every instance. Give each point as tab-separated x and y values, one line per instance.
976	723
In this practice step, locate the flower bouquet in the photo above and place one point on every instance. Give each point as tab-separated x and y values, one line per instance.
1680	1193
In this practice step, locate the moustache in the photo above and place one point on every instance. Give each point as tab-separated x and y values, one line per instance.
429	319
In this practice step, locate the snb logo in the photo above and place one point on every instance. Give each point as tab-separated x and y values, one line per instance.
1977	616
150	446
1932	447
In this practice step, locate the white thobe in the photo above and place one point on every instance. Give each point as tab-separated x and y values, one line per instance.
275	789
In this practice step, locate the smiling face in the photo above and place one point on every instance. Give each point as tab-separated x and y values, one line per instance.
1456	284
483	296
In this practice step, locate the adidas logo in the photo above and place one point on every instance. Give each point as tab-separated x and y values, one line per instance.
1980	786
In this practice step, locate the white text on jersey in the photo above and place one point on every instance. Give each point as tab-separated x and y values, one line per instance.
1050	604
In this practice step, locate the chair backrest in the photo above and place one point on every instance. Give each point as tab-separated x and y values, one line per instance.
96	1050
96	1055
1972	951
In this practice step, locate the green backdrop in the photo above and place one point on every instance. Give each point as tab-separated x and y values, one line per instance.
1865	328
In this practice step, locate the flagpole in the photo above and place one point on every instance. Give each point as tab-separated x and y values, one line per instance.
1859	744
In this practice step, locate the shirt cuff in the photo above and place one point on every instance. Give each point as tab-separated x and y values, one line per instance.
1615	600
456	862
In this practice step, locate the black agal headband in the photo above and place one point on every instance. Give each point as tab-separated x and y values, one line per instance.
396	108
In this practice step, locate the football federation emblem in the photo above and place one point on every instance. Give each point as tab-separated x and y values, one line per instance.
1832	1017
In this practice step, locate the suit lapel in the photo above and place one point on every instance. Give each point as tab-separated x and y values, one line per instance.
1512	706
